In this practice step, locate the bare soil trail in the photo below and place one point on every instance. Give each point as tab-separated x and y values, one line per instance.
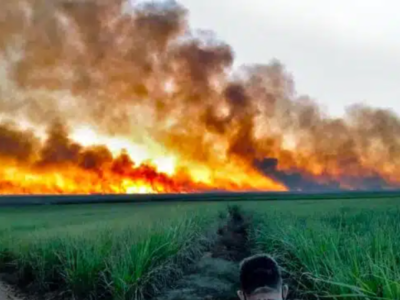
216	275
6	293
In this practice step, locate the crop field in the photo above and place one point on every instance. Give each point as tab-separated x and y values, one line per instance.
335	249
100	251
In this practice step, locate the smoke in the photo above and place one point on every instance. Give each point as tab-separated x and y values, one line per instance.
16	145
139	71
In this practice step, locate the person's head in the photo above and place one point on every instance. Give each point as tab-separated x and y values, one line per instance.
261	279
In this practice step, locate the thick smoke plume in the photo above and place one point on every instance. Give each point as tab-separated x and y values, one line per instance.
139	71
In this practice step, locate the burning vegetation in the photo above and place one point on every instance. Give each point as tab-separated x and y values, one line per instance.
112	97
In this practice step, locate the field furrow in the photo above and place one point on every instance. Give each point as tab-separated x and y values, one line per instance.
335	250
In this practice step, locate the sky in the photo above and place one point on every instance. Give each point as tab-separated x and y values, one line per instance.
340	52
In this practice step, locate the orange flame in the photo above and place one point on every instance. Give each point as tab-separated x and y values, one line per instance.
59	165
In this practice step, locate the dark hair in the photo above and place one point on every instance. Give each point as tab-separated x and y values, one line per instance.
259	271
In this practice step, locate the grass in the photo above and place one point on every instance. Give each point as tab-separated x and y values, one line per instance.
123	252
335	250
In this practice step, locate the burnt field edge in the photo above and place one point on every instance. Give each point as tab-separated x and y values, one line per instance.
15	200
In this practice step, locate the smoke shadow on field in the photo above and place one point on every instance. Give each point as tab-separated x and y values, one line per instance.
296	180
216	275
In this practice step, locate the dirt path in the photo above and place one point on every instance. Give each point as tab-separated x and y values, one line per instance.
6	293
215	276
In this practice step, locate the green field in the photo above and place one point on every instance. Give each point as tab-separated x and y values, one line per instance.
335	249
101	250
332	249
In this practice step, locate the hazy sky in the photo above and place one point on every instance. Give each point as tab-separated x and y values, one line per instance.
340	52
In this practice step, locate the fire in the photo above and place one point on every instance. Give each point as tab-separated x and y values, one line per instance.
115	97
88	137
17	181
61	165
